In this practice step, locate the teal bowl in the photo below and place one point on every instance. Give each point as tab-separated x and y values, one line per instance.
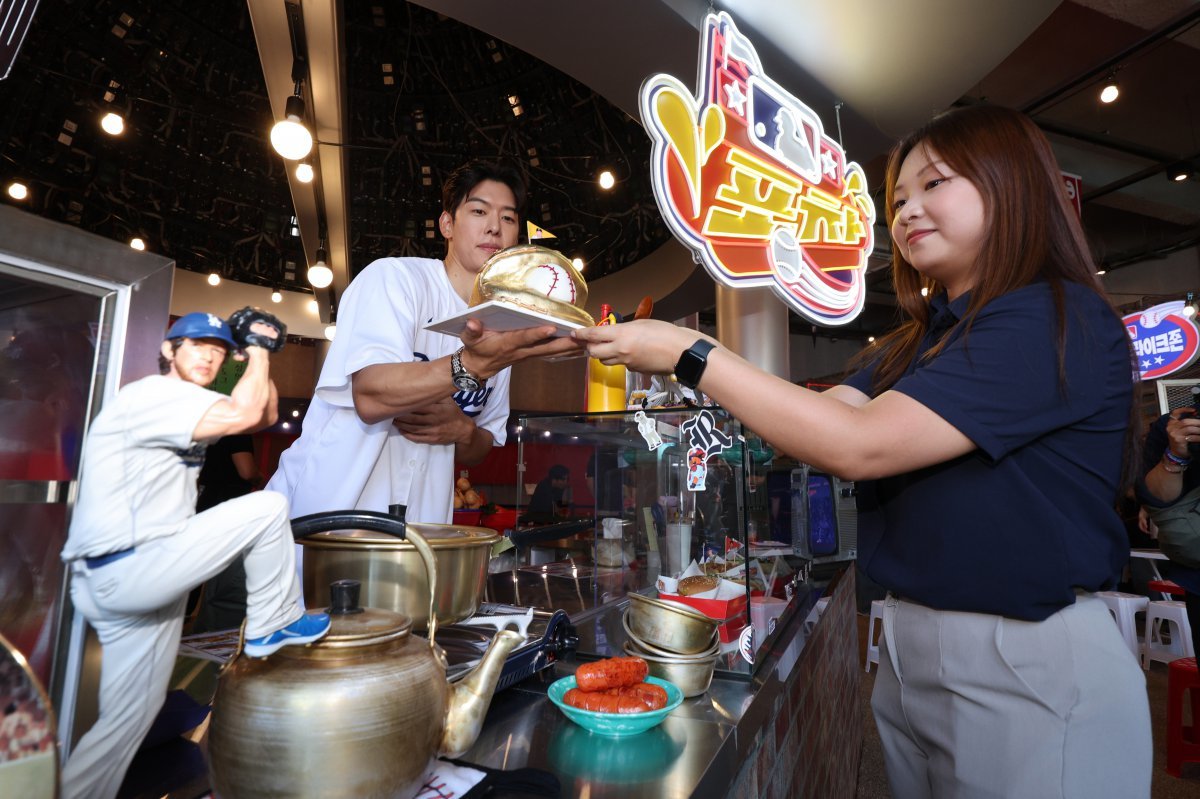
614	724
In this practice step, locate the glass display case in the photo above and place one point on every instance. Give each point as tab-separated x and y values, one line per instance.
649	497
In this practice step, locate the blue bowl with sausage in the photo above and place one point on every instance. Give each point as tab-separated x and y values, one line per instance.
615	724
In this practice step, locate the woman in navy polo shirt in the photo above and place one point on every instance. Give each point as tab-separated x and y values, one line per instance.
987	437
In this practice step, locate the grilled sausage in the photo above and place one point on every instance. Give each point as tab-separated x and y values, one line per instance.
611	673
631	699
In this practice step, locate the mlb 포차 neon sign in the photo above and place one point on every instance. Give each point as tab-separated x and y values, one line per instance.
746	177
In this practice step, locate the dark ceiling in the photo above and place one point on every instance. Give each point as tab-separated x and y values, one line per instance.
193	173
194	176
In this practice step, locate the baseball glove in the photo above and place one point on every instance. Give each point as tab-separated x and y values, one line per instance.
241	322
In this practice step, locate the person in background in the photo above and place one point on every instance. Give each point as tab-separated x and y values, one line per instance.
396	405
136	545
229	471
987	437
547	501
1166	476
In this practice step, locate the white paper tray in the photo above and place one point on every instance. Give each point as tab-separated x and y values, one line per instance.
495	315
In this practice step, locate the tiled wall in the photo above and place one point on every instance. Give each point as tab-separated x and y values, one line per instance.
811	750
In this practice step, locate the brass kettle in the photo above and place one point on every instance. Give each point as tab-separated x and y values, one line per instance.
360	713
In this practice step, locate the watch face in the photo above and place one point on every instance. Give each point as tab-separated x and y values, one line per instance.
466	383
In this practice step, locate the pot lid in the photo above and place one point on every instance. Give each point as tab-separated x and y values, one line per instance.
352	625
439	536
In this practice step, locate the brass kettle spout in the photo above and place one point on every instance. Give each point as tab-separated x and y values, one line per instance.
471	696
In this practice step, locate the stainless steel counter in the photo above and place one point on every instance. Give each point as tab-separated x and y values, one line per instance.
697	751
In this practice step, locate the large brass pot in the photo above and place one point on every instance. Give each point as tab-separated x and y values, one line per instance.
392	574
357	715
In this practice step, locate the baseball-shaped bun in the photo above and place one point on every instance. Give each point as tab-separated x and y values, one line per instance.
535	278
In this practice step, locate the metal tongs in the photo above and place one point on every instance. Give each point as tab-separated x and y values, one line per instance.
502	621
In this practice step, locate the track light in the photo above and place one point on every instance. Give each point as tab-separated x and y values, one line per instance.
1110	92
291	138
319	274
113	123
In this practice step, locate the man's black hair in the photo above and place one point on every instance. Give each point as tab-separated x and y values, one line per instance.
559	472
164	366
460	183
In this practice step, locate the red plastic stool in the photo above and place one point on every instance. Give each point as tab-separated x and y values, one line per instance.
1183	743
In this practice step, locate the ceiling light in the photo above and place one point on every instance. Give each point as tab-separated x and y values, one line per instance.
291	138
137	244
276	296
330	331
295	414
607	181
1110	92
1101	272
17	190
319	274
1189	311
304	172
870	339
113	124
1179	172
286	425
214	279
924	291
578	263
312	307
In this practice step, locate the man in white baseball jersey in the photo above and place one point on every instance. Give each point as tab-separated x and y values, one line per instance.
397	405
136	547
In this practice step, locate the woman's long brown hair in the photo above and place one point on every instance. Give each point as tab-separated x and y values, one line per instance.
1032	230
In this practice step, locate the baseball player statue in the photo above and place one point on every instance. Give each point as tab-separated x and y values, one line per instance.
136	547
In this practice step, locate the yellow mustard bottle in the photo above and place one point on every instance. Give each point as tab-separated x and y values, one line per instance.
606	384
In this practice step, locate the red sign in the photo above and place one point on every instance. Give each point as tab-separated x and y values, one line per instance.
746	177
1074	186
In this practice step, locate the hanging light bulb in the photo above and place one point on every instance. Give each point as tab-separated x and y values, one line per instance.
578	262
214	279
290	137
112	123
137	244
313	307
607	181
18	190
1110	92
330	331
304	172
319	274
276	296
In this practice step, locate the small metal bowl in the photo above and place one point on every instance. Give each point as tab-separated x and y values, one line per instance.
651	649
670	626
692	676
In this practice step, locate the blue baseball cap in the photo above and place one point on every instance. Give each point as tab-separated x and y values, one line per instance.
201	325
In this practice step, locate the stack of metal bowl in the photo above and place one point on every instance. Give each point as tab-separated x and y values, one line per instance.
680	645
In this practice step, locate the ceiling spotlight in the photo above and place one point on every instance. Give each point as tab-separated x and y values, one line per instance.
17	190
870	339
319	274
578	263
1110	92
286	426
313	307
304	172
607	181
924	291
214	279
137	244
291	138
1179	172
276	296
330	331
295	414
113	124
1101	272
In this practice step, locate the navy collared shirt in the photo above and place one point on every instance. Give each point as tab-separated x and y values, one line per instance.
1015	526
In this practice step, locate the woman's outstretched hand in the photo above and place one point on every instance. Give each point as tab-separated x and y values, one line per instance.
645	345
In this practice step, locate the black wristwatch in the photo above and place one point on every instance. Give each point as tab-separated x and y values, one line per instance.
690	366
462	379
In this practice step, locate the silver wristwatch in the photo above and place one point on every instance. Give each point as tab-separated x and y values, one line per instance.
462	379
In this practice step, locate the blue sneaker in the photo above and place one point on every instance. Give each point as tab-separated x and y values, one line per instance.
304	630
